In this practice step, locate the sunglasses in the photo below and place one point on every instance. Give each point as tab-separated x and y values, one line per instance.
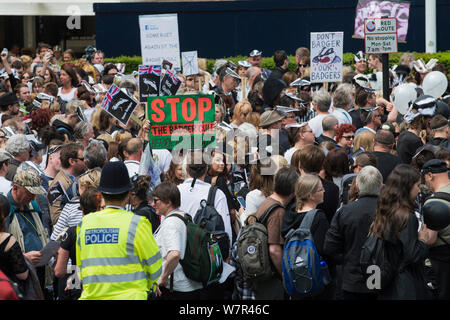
303	65
348	137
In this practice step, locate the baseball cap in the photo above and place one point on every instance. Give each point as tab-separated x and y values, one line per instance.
30	180
434	166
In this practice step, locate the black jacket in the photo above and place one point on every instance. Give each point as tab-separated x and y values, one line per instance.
330	199
347	234
278	73
409	283
145	210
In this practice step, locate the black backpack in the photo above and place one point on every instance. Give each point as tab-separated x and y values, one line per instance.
207	217
379	253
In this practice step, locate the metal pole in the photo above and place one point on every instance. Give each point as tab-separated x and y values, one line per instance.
430	26
385	62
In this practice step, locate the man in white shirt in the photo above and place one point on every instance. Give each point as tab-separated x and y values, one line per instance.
133	154
195	189
321	102
5	185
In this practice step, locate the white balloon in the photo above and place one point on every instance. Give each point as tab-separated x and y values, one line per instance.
403	95
435	83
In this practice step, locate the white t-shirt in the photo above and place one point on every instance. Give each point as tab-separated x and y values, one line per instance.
191	197
5	186
289	153
172	236
132	166
252	201
316	124
67	96
162	158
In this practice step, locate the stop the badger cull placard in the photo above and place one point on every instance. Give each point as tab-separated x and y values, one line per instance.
181	121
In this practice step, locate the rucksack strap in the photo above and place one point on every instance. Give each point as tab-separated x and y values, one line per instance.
178	216
266	214
308	219
440	195
211	196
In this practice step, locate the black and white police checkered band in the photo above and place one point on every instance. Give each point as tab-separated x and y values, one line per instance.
255	53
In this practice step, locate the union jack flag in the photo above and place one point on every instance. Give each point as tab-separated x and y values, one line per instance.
173	77
109	96
155	70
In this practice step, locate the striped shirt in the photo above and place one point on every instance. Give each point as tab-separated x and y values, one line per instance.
70	216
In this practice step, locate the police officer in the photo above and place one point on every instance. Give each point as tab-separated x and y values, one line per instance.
116	252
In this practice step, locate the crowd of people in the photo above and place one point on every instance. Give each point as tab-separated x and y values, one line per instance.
71	173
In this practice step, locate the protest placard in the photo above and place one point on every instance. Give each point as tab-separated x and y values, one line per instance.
169	84
149	81
159	39
183	121
118	104
326	56
190	62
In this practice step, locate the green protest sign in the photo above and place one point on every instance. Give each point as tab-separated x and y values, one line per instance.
181	122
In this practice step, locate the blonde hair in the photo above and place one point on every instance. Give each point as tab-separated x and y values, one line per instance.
364	140
306	185
254	118
121	136
239	108
280	161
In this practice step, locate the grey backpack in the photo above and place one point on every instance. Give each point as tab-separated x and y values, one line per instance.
253	248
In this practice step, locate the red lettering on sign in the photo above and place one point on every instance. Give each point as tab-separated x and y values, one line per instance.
173	107
156	106
184	109
204	104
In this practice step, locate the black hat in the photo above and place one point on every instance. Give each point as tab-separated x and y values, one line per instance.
114	178
8	99
434	166
271	90
442	108
436	214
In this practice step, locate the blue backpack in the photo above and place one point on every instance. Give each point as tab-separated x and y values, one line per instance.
305	273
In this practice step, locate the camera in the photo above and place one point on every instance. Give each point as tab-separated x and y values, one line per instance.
4	52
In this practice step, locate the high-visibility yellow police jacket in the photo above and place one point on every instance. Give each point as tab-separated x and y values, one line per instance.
117	256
